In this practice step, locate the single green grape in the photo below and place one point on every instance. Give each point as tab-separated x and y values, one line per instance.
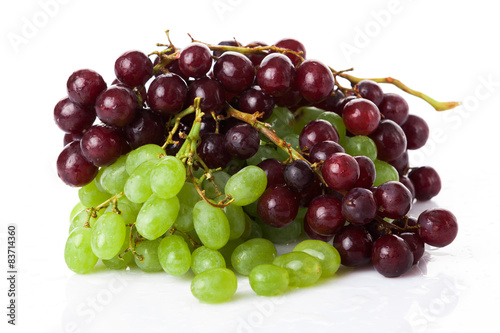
360	145
281	121
114	176
304	115
236	218
167	177
80	219
215	285
268	280
138	185
174	255
265	152
228	249
336	121
76	209
287	234
156	216
255	230
147	256
188	197
91	196
251	209
211	225
384	172
327	255
108	235
247	185
303	269
122	262
220	179
78	252
253	252
98	179
144	153
204	258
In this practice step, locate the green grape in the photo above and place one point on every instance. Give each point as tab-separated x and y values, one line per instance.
303	269
220	179
76	209
293	140
268	280
156	216
336	121
204	258
113	177
174	255
251	209
144	153
98	179
138	185
188	197
248	227
108	235
91	196
148	253
360	145
304	115
285	235
281	121
265	152
252	253
234	166
255	230
247	185
80	219
167	177
211	225
119	263
78	252
128	209
214	286
236	218
281	155
227	250
384	173
327	255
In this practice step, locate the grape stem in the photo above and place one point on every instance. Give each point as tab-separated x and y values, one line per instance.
389	226
175	123
438	106
221	204
193	242
92	211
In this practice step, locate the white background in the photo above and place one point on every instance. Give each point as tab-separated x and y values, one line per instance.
444	48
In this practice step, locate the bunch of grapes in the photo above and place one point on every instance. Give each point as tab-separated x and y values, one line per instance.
204	158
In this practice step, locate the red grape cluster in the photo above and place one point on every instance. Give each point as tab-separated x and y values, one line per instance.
357	198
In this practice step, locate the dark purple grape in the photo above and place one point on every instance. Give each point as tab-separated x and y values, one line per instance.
73	168
298	175
324	215
340	171
409	185
276	74
212	151
84	86
173	67
293	45
242	141
401	164
394	107
390	140
278	206
317	131
361	116
367	172
225	43
309	193
359	206
167	94
274	171
391	256
416	244
438	227
375	229
339	108
73	118
416	131
211	93
330	103
426	182
291	99
315	80
393	200
133	68
324	149
234	71
253	100
148	127
354	244
173	148
116	106
70	137
370	90
256	59
314	235
101	145
195	60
